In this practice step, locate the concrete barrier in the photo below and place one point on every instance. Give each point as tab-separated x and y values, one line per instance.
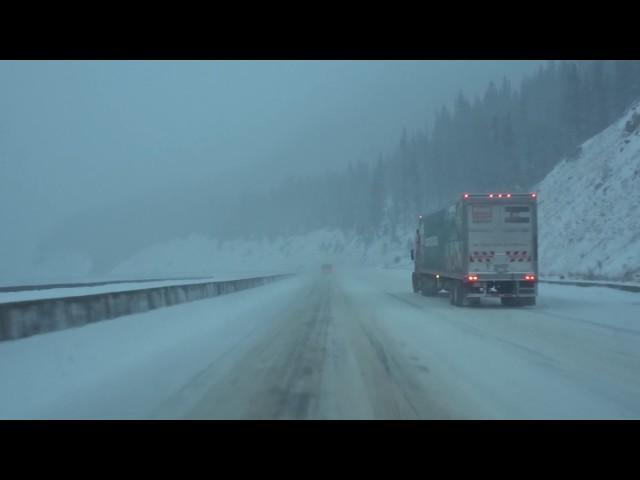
31	317
588	283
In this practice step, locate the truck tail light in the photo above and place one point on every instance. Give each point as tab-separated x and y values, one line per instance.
471	278
529	277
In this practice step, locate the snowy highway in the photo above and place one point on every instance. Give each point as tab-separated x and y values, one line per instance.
348	345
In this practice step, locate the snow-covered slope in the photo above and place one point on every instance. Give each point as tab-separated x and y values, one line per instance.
590	207
589	221
200	255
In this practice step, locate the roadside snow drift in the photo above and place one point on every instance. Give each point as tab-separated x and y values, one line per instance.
201	255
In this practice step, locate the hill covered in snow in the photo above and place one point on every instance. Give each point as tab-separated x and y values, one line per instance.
589	226
589	207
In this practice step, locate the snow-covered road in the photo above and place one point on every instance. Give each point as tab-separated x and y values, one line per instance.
353	344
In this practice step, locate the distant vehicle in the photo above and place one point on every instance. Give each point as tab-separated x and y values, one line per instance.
485	245
327	268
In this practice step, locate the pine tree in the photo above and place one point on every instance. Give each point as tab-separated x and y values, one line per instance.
377	202
505	139
598	99
572	115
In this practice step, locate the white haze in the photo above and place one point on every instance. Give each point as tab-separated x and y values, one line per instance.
84	143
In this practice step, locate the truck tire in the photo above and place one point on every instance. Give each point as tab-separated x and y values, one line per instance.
457	294
414	284
462	300
428	286
474	301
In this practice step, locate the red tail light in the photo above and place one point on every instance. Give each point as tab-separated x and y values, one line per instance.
466	195
533	195
471	278
528	277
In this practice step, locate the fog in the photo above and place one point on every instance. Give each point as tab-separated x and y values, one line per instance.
84	144
320	239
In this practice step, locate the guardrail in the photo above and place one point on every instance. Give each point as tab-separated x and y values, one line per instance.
50	286
31	317
579	283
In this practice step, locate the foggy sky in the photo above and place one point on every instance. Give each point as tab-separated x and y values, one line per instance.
79	135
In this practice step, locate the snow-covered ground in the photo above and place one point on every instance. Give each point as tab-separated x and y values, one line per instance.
589	209
574	355
356	344
123	368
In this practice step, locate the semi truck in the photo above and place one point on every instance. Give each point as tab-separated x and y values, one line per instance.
484	245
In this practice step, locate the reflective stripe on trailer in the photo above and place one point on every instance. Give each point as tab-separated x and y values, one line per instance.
518	256
482	256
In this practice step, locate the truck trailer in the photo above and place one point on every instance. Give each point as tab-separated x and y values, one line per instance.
485	245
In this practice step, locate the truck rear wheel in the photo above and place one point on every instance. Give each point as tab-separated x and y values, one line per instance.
414	283
428	285
474	301
456	294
